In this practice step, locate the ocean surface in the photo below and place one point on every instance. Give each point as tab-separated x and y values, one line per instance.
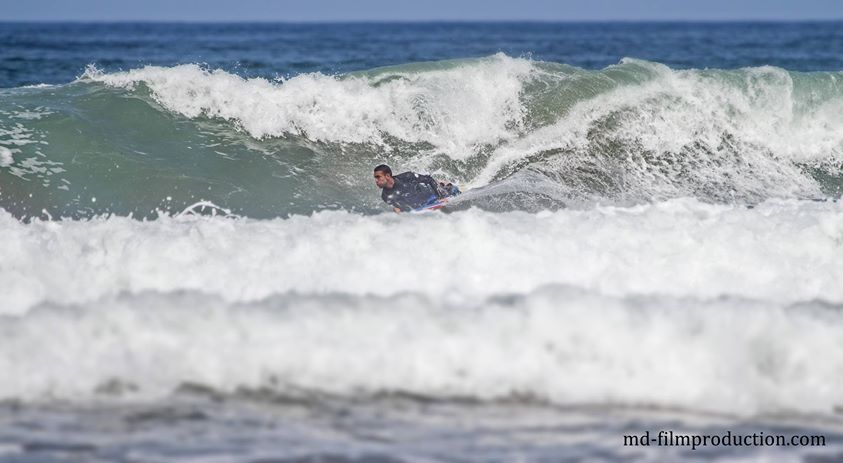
195	264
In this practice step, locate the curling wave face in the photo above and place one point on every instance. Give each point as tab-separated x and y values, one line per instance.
526	135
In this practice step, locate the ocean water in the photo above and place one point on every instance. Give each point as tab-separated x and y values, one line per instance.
195	264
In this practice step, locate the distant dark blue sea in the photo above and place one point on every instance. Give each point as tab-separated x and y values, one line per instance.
56	53
196	265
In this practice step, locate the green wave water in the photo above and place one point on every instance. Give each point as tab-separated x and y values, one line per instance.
520	134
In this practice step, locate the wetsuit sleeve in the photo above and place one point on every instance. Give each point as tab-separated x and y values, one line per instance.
429	181
394	200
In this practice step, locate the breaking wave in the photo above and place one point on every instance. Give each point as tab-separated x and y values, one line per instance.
525	135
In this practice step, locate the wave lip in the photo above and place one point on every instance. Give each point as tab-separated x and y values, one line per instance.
453	108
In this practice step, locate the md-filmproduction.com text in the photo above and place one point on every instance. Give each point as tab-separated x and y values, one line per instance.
726	439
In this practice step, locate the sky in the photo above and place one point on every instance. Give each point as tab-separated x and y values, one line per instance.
389	10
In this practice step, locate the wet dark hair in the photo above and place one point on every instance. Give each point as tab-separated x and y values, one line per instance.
384	168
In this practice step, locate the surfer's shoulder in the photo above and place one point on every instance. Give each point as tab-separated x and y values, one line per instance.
405	176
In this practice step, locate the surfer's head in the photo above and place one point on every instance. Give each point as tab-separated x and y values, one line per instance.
383	176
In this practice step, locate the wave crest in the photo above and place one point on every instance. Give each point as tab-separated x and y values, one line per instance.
453	109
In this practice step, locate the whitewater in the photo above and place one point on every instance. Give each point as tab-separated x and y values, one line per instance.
586	294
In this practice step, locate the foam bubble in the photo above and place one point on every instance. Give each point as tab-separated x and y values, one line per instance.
6	158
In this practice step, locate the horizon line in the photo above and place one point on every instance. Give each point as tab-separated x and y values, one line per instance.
422	21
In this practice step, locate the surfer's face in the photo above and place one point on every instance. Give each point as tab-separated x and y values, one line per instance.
383	180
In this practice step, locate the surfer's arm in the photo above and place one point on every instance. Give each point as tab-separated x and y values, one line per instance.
433	184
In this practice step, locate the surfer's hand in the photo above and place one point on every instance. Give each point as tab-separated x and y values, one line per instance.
397	210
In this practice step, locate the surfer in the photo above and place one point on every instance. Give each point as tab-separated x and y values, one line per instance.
409	191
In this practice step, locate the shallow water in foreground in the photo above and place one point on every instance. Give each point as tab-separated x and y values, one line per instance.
257	427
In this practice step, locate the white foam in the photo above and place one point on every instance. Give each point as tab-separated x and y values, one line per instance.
783	251
676	304
557	343
453	109
6	158
745	130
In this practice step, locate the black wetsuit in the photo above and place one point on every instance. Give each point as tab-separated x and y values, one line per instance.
411	191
